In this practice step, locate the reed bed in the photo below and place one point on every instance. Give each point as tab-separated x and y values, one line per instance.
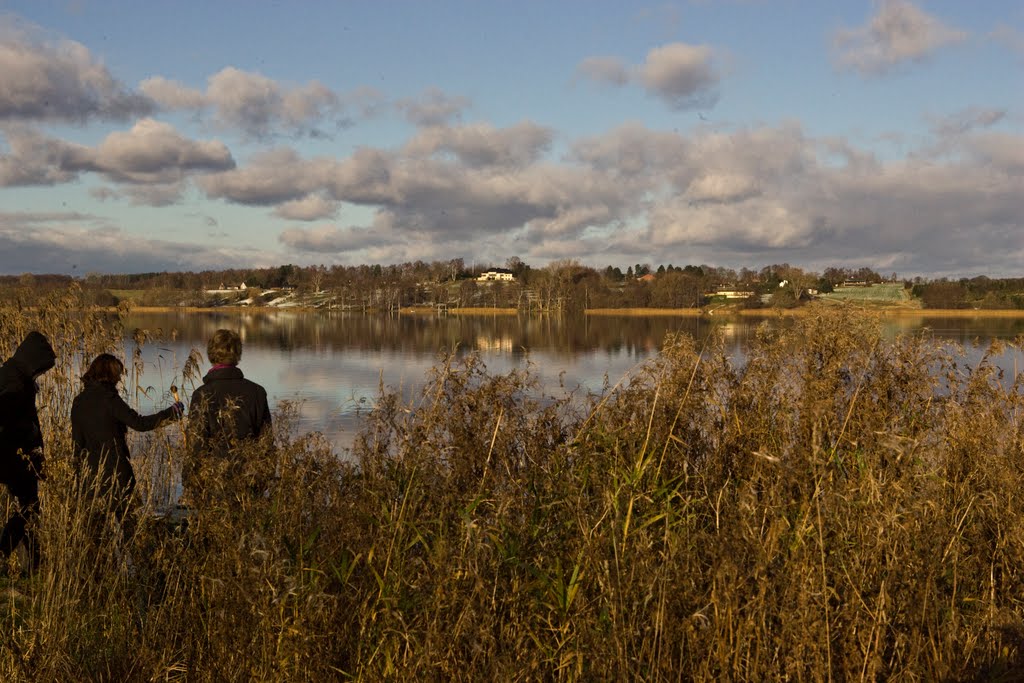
954	312
482	310
645	312
838	507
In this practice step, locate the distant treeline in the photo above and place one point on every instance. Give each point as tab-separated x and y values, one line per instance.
978	292
564	285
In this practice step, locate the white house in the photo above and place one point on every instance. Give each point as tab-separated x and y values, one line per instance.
496	275
731	294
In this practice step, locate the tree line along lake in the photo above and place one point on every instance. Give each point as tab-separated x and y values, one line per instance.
332	365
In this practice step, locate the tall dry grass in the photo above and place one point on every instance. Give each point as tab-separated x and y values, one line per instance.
837	507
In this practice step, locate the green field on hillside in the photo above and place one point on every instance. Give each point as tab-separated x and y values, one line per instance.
884	293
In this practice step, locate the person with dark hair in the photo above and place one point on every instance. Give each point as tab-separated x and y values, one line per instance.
21	439
225	411
100	420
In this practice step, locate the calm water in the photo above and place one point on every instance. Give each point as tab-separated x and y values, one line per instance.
332	364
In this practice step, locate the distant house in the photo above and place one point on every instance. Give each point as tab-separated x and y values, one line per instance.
224	288
496	275
731	294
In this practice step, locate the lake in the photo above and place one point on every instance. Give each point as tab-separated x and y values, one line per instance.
332	364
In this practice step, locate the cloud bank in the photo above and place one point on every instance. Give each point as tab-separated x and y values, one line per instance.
901	32
82	243
59	80
949	199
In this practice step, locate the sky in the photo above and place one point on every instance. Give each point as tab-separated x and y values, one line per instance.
140	137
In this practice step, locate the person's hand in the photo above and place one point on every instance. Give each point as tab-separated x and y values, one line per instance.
178	408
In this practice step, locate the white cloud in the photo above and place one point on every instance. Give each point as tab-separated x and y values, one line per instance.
722	187
150	152
901	32
683	76
611	70
753	226
484	145
571	221
1000	151
330	239
967	120
58	81
634	152
433	108
363	178
309	208
34	159
272	177
171	94
257	104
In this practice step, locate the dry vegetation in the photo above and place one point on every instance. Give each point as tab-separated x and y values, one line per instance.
645	312
840	507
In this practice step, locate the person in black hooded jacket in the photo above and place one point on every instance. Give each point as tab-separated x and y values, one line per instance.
225	411
100	420
21	439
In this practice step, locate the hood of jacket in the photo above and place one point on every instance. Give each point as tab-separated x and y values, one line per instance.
34	355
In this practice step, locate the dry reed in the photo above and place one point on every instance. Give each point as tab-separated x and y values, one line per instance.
838	507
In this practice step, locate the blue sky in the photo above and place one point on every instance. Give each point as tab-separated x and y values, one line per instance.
191	136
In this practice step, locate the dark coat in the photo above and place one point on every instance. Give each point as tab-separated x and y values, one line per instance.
229	405
19	421
224	411
100	420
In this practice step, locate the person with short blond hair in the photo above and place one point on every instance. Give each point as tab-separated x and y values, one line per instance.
224	348
226	410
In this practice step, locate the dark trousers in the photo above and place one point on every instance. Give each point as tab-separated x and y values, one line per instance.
22	483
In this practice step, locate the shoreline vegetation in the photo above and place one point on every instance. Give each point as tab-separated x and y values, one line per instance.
840	506
560	287
885	311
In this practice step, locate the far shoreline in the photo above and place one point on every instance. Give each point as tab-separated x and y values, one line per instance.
725	312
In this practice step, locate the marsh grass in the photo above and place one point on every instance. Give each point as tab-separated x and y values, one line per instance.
482	310
838	507
645	312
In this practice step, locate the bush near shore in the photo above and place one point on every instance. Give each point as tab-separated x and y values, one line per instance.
838	507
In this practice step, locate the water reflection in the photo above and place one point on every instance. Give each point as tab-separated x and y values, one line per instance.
333	364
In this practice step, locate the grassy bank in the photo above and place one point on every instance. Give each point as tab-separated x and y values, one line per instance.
840	507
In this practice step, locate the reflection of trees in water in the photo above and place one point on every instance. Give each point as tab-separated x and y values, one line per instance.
516	335
971	330
424	334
